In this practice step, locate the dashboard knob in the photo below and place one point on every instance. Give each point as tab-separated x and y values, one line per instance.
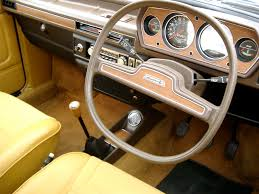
122	60
79	48
90	50
43	28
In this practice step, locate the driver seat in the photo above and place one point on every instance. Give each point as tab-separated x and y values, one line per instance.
79	173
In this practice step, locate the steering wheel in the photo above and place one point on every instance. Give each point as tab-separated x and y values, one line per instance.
164	83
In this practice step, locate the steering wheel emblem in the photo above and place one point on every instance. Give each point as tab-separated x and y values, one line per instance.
154	80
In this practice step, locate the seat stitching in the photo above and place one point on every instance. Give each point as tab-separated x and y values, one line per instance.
98	166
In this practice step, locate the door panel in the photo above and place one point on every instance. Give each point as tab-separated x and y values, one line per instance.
11	70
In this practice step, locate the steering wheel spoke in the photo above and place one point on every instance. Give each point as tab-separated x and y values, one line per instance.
161	83
98	61
211	109
102	63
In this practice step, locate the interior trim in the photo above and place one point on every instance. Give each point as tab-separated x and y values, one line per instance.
164	86
92	11
42	15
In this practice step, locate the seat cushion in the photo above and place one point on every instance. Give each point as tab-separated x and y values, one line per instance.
27	136
79	173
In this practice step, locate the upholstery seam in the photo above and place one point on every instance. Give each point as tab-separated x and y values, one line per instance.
76	174
91	176
33	148
37	173
98	166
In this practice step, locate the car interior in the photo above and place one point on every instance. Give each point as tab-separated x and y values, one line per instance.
129	96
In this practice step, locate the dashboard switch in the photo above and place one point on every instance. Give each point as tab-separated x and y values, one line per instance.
79	48
90	50
122	60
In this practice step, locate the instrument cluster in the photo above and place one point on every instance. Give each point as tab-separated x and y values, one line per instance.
178	30
184	34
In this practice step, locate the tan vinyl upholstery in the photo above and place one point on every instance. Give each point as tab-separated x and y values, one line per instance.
27	136
79	173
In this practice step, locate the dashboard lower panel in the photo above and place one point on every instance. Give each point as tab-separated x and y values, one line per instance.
54	39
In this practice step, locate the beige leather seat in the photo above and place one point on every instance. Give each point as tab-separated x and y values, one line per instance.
79	173
27	136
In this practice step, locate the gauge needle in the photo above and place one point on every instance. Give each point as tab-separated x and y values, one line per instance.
171	36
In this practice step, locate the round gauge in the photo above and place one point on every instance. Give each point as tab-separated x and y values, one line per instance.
246	50
179	31
151	25
210	43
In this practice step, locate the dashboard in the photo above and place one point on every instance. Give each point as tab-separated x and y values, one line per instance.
155	33
186	36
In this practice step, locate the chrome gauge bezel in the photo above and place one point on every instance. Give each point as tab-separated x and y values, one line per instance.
145	25
237	45
165	24
198	44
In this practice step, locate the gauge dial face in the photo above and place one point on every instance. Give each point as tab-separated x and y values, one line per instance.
247	50
151	25
210	43
179	32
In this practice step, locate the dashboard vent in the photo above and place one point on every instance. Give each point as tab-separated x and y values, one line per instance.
94	30
8	3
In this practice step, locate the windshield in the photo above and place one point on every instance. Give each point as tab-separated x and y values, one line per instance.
251	6
244	8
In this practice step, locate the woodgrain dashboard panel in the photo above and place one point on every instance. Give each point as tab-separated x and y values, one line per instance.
156	42
43	15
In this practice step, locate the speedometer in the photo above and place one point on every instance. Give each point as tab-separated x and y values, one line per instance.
179	31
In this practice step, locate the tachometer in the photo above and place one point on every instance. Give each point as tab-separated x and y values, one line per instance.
246	50
179	31
151	25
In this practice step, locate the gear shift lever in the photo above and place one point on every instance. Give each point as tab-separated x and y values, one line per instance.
93	146
75	109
